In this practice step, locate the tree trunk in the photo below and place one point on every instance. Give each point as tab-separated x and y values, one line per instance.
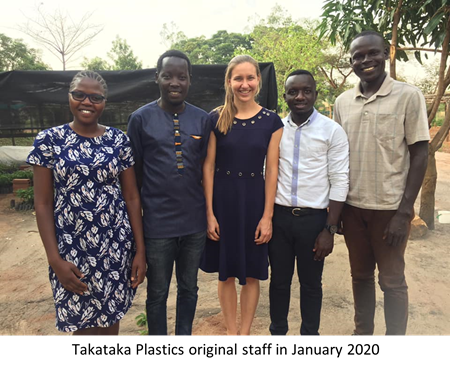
430	180
428	191
394	41
442	80
427	196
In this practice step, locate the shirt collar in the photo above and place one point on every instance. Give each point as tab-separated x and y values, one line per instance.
307	122
385	88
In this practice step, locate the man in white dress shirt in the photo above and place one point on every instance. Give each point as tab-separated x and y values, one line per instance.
313	176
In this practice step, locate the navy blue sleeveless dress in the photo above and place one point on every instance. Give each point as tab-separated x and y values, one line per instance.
238	198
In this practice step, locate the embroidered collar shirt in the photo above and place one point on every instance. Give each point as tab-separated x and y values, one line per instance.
379	130
169	150
313	166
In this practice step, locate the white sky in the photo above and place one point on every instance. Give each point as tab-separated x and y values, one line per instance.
139	22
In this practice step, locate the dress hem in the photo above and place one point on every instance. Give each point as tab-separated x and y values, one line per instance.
222	279
99	326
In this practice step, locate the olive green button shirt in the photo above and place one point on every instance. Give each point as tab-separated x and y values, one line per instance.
379	130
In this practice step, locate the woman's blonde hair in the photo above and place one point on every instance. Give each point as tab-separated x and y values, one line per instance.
228	110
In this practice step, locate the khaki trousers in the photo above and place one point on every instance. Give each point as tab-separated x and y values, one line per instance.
363	232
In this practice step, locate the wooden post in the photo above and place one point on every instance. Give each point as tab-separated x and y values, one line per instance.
11	124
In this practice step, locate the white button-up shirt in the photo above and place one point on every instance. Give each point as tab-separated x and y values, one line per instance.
314	163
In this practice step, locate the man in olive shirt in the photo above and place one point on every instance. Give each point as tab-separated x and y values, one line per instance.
387	128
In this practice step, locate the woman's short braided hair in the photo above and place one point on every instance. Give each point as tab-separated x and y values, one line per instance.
91	75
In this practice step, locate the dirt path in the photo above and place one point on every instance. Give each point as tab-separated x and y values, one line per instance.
26	304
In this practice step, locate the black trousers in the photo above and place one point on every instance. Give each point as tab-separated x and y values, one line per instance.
293	238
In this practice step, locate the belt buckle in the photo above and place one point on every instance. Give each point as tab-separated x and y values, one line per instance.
294	211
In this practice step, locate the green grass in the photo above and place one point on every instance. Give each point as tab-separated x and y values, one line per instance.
19	141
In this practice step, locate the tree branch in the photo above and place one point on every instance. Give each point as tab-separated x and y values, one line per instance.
330	81
420	49
438	140
440	87
61	36
394	41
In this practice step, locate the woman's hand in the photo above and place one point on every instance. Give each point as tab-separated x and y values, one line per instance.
69	276
138	269
263	232
213	231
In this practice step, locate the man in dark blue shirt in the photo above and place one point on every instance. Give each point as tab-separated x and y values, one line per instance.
169	138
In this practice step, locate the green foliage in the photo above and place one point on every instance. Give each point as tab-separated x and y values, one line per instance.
96	63
289	48
288	43
218	49
15	55
18	141
291	45
22	174
121	56
141	321
420	21
6	178
8	168
27	195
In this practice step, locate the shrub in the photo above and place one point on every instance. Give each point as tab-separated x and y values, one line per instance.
27	195
23	174
8	168
6	180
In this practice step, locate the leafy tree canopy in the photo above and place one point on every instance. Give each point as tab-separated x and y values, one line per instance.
15	55
218	49
121	56
418	23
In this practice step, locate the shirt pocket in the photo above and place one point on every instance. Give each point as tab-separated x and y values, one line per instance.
388	126
314	155
194	141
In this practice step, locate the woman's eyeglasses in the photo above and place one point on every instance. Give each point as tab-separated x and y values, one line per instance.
93	98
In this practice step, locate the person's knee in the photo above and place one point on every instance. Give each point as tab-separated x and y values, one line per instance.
392	282
252	281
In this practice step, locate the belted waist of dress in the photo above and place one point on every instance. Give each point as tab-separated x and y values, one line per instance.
224	172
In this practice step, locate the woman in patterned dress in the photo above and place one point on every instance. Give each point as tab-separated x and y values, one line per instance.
89	214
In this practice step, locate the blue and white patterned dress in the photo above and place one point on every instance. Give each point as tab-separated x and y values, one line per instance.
92	225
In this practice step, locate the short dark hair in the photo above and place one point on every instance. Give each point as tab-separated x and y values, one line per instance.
299	72
369	32
176	54
90	74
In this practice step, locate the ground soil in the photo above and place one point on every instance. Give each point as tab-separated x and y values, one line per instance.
26	303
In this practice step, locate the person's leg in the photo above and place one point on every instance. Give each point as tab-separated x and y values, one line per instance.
86	332
249	301
110	331
391	275
189	253
281	257
228	303
160	254
362	264
307	228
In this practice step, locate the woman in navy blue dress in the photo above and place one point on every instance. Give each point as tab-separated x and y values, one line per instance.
239	195
89	214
